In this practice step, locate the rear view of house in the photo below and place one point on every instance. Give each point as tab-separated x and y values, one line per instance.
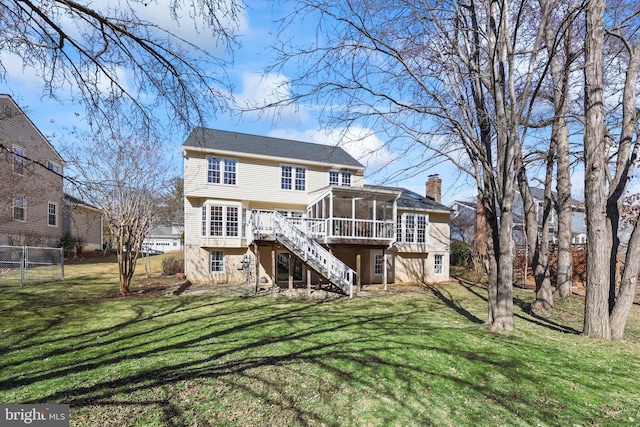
31	192
277	211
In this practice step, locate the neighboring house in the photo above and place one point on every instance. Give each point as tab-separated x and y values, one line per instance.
279	211
31	191
463	219
84	222
164	238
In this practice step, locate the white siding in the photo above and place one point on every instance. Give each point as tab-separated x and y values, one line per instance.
256	181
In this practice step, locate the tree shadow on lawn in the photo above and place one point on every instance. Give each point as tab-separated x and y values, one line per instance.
481	293
237	343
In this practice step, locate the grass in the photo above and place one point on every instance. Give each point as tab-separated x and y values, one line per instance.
415	356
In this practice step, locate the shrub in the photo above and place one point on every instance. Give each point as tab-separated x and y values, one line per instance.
172	265
460	253
68	243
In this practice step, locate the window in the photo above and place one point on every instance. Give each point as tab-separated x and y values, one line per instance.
293	177
340	177
52	217
217	261
346	179
232	221
334	177
203	230
19	209
438	264
221	171
216	220
300	179
220	221
53	167
18	160
421	229
230	172
378	264
412	228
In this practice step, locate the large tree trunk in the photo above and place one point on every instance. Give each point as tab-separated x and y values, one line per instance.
628	284
596	312
620	303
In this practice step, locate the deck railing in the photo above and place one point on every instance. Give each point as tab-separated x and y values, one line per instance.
350	228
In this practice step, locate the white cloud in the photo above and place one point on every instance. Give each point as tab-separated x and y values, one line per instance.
360	143
261	92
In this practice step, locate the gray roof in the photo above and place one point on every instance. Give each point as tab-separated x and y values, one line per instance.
412	200
266	146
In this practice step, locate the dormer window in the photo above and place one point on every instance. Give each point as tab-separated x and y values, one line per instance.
221	170
340	178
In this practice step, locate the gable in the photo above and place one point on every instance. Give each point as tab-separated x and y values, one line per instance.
17	129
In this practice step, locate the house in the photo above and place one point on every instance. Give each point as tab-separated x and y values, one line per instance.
164	238
276	211
31	192
84	222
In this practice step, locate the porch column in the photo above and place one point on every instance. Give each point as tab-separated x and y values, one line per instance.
256	249
374	227
384	269
290	272
308	281
273	264
330	216
358	272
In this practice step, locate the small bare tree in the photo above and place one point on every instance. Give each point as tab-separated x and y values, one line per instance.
123	176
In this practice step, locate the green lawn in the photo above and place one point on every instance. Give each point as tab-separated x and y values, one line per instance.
412	357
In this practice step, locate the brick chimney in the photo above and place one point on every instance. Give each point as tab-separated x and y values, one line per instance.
434	188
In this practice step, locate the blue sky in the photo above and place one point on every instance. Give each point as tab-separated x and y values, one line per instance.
257	34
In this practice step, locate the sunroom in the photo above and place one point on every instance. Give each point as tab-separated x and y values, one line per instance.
352	215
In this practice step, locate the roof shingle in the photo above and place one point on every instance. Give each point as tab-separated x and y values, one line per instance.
214	139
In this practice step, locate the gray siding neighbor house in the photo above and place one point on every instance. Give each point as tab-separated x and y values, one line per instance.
31	193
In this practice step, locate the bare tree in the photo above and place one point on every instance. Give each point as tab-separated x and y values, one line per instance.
91	47
123	176
609	162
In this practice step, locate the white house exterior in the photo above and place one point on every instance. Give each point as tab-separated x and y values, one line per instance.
275	211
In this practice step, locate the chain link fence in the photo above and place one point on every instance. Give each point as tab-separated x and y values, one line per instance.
27	264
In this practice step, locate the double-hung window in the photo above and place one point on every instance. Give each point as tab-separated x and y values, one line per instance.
217	261
19	209
221	170
334	177
438	263
346	179
52	217
220	221
293	177
18	160
53	167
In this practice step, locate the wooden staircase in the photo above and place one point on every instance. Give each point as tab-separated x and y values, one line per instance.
270	225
